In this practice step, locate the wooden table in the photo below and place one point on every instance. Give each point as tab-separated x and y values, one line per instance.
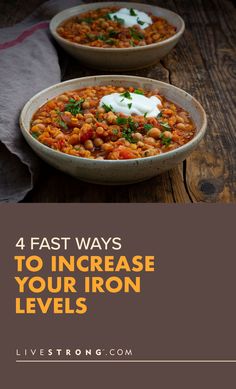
203	64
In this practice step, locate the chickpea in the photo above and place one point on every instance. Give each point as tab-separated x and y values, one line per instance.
107	147
76	130
88	144
140	144
63	98
41	126
98	142
167	134
68	113
73	139
179	119
86	104
184	116
37	121
99	158
60	136
133	146
180	126
88	120
155	37
150	152
120	90
154	132
137	136
111	118
150	140
100	130
101	110
74	121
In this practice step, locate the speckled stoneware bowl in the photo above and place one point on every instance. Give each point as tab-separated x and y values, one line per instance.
117	58
108	171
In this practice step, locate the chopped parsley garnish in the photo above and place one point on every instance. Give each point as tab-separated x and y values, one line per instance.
62	124
165	126
165	141
145	115
107	108
35	134
130	127
136	34
130	105
147	127
107	16
159	115
113	34
115	132
110	41
138	92
118	20
121	120
86	20
132	12
127	134
126	95
101	37
74	106
131	42
141	22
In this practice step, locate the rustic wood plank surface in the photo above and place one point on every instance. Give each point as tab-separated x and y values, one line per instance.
203	64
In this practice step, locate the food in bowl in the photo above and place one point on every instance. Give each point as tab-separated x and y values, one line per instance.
109	122
113	27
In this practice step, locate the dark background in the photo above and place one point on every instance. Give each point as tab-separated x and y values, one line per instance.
203	64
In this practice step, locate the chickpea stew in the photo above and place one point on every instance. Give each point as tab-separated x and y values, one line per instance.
80	123
114	27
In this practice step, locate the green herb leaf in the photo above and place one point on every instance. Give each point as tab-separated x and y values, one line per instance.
126	95
121	121
132	125
141	22
159	115
62	124
115	132
130	105
74	106
132	12
107	108
113	34
136	34
165	141
118	20
138	92
127	134
110	41
131	42
147	127
101	37
165	126
86	20
35	134
107	16
145	115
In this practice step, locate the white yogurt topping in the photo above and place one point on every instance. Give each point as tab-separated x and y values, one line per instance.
132	17
137	104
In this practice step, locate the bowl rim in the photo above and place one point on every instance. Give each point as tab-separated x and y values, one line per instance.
113	49
195	140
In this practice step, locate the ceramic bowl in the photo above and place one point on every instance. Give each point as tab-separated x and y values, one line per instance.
108	171
117	58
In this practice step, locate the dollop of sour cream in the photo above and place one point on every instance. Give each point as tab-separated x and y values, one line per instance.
137	104
132	17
